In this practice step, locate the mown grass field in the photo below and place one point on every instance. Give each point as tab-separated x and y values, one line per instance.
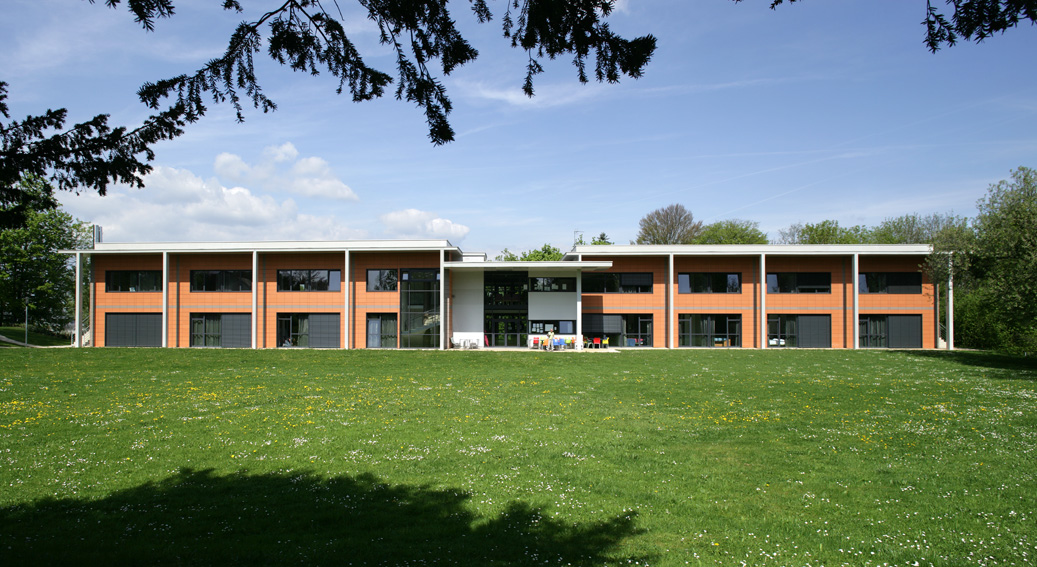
158	457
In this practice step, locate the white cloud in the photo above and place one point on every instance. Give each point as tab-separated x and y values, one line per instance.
309	176
422	224
284	152
544	95
232	167
177	205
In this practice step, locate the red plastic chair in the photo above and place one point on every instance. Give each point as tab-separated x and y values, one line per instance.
536	343
597	342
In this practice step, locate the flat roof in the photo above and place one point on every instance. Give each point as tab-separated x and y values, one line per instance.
560	266
749	250
272	246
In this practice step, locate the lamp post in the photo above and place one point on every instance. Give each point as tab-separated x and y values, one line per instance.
30	296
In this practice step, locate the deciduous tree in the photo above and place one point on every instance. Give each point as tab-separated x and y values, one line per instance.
732	231
672	224
31	269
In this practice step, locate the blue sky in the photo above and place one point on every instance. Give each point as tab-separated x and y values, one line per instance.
817	110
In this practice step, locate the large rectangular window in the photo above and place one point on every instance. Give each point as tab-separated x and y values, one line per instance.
889	282
696	330
799	282
381	280
709	282
808	331
226	330
419	308
133	280
633	282
314	330
625	330
309	280
381	330
221	280
552	284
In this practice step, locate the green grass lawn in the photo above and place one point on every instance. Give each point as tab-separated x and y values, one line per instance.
35	338
157	457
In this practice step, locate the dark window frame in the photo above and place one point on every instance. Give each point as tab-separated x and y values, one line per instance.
708	282
222	280
133	279
383	283
799	282
613	282
714	336
891	283
289	279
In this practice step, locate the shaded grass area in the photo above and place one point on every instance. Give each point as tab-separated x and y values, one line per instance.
476	458
35	337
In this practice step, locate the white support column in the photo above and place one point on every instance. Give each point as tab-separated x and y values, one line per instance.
950	307
442	300
77	339
671	324
255	299
347	280
165	299
856	300
762	282
579	310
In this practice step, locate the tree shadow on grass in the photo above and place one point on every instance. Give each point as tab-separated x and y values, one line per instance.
198	517
1001	365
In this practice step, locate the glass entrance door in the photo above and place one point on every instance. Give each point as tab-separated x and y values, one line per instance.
506	330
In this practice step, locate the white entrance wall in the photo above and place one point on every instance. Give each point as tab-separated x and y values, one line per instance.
467	299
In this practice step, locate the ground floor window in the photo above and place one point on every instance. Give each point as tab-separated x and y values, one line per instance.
133	329
695	330
314	330
226	330
381	330
889	331
629	330
559	327
805	331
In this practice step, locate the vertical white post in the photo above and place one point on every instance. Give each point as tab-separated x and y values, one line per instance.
762	282
950	305
578	344
255	299
670	309
77	339
442	300
856	300
165	298
347	280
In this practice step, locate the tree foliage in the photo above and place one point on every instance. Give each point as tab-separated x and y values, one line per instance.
824	232
969	20
32	270
672	224
601	240
546	253
1003	259
732	231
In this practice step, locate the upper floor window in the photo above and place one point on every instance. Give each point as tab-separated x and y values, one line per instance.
133	280
381	280
799	282
890	282
634	282
552	284
309	280
221	280
709	282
